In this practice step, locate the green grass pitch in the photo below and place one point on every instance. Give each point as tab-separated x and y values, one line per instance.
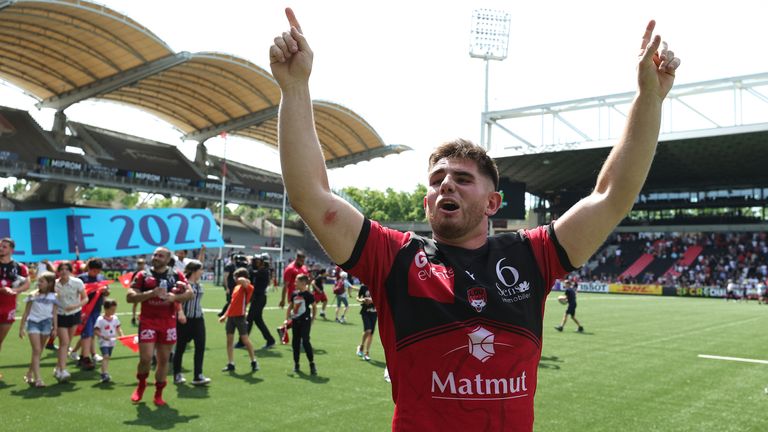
636	368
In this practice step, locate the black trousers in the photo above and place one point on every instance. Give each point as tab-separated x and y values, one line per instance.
300	332
193	330
256	316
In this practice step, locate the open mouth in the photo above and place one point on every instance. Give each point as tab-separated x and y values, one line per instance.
448	205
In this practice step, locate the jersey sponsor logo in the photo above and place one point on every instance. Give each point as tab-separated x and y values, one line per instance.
455	386
477	298
511	289
478	387
430	280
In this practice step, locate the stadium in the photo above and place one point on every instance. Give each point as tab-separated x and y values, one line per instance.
672	303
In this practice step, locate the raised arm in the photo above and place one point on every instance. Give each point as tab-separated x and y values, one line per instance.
583	228
335	223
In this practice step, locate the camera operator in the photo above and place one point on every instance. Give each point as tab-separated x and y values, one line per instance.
260	276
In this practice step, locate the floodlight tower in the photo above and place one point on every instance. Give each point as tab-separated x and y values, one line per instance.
489	41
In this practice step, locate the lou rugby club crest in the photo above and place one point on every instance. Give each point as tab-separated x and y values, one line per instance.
477	298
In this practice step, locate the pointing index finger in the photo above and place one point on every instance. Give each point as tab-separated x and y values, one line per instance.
292	19
647	35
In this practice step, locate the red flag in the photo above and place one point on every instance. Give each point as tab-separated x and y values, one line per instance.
125	279
93	287
130	341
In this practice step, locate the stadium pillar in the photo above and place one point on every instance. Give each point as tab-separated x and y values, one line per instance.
59	129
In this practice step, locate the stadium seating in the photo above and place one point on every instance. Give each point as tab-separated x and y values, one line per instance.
704	259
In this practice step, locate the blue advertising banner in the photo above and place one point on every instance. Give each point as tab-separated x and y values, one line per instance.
63	233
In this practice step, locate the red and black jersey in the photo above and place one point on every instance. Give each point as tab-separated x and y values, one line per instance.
9	273
461	328
156	309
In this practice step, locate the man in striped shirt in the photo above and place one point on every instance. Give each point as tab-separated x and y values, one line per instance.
193	329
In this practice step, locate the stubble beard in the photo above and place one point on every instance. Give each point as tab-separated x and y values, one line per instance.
458	227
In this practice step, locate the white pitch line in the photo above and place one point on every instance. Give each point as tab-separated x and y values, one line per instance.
733	359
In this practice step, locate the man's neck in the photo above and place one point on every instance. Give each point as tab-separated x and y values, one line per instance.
468	242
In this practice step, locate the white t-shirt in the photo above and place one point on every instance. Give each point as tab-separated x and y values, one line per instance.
180	264
69	294
108	329
42	307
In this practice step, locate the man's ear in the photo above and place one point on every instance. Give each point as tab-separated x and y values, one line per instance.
494	204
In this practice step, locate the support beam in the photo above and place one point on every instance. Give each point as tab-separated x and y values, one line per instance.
114	82
243	122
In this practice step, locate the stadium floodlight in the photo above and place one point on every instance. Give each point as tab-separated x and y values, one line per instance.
489	41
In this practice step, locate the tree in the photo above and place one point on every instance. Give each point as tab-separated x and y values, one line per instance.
390	205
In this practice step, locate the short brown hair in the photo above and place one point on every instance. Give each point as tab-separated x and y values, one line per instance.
241	272
63	264
10	242
302	277
461	148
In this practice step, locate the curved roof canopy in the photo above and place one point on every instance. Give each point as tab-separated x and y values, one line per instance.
65	51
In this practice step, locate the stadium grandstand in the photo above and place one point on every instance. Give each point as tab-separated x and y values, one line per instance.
700	219
65	52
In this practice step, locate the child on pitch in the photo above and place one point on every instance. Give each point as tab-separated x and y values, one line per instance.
235	316
570	295
342	291
368	314
107	329
301	322
39	322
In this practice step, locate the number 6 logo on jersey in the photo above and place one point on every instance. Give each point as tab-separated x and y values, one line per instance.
512	272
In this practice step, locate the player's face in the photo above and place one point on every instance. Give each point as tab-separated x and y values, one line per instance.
458	200
160	258
299	260
5	249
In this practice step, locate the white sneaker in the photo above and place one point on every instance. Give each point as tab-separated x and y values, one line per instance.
64	376
97	358
359	351
201	380
179	379
57	374
366	357
74	356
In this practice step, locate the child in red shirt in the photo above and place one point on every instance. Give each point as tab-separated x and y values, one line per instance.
235	316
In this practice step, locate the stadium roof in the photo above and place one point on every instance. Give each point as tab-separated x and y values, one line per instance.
65	51
717	159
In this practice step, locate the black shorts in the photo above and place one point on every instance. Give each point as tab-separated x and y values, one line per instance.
236	323
369	321
571	310
67	321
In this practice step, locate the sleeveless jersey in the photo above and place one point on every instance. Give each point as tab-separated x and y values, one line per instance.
461	328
